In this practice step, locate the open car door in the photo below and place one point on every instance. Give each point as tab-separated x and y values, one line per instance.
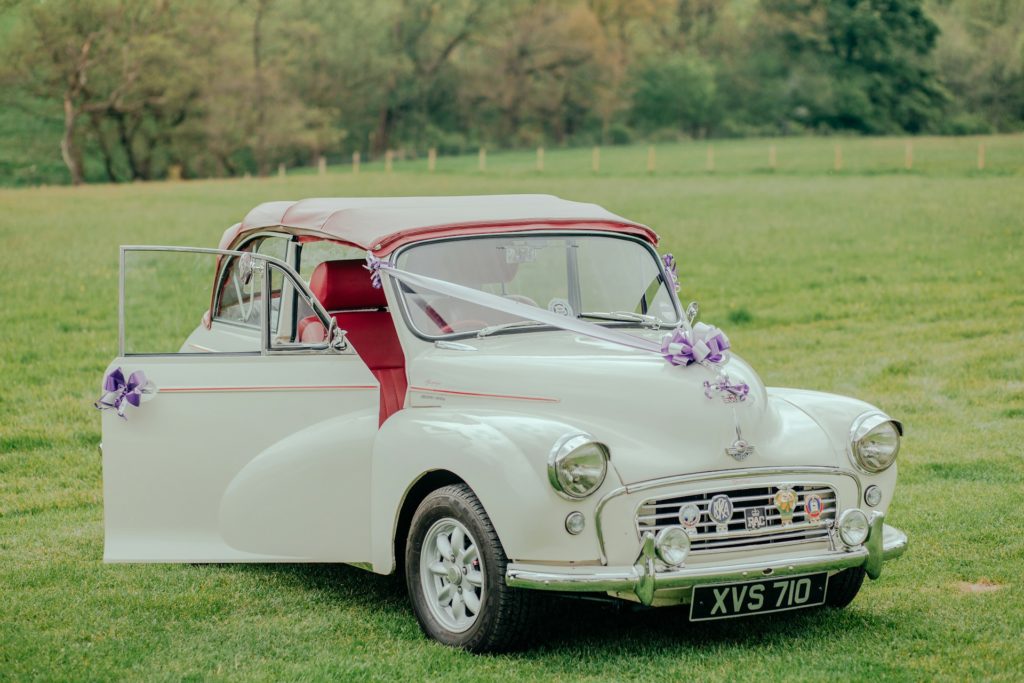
249	446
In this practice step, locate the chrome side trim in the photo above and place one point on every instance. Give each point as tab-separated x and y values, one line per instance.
709	476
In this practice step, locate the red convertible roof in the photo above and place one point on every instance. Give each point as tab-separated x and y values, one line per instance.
381	224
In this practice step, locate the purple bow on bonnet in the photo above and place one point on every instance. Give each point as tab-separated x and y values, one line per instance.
117	391
731	393
709	344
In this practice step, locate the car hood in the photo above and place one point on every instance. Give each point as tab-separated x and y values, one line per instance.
655	417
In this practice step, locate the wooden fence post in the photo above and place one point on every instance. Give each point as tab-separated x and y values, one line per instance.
482	161
981	156
540	159
595	160
651	159
908	155
771	158
321	165
280	171
837	161
356	158
710	163
432	159
389	161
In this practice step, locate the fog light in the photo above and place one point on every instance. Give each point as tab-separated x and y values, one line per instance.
873	496
575	522
853	527
672	545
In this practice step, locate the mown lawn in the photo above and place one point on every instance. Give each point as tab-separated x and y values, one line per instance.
904	289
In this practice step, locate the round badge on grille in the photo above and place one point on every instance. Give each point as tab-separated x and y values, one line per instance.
689	515
720	509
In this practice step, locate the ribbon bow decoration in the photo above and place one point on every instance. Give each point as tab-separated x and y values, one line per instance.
707	344
730	393
373	265
670	269
117	391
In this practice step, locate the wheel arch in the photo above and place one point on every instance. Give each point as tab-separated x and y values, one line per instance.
420	488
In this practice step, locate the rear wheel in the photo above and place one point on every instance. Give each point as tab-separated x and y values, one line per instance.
455	573
843	587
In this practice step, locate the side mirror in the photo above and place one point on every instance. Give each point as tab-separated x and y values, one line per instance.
692	311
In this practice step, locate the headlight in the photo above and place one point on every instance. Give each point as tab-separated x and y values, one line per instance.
672	545
874	442
853	527
577	466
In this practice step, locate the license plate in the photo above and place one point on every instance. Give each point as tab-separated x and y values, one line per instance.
730	600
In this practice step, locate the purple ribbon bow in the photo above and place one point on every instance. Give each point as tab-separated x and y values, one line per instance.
373	265
731	393
118	392
670	269
708	344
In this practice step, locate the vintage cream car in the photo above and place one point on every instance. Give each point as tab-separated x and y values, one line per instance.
504	398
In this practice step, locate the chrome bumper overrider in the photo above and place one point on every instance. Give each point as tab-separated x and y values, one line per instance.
883	543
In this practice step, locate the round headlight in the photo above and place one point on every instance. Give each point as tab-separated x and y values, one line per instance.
874	442
853	527
577	466
672	545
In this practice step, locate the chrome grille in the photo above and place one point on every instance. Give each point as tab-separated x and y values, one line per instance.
658	513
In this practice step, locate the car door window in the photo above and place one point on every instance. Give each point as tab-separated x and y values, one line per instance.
165	294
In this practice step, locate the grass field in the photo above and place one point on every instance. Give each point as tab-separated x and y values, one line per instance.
904	289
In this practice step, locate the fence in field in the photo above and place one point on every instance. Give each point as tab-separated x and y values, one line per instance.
1003	154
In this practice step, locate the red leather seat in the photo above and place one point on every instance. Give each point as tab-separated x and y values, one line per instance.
345	290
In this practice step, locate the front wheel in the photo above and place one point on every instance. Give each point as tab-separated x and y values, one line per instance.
455	573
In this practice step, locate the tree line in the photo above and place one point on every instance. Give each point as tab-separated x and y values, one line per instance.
138	89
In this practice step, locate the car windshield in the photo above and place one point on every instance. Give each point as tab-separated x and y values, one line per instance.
603	279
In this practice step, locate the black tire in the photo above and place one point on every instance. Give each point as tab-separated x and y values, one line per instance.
843	587
505	614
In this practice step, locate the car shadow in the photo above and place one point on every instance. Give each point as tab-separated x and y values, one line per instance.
572	623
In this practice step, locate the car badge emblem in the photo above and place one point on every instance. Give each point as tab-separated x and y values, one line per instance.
785	502
755	518
689	516
720	512
813	507
740	449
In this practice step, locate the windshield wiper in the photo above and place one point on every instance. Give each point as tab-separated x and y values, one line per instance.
626	316
507	326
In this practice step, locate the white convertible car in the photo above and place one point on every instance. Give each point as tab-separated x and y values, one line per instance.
497	396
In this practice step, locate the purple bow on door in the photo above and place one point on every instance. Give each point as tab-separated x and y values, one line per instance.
117	391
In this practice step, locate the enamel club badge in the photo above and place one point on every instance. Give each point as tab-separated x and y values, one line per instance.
785	502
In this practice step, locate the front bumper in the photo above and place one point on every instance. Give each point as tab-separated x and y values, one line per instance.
884	543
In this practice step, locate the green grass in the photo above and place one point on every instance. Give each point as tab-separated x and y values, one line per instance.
903	289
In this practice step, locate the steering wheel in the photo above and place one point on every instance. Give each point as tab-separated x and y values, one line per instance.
519	298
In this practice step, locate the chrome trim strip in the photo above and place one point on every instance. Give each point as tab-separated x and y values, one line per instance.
709	476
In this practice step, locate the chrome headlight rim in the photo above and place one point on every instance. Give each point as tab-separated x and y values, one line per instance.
564	448
864	425
662	549
841	524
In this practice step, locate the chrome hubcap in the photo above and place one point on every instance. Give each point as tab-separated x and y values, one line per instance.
452	574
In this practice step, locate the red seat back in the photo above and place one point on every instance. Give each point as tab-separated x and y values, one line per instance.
345	290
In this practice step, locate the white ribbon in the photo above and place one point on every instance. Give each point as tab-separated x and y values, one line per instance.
521	310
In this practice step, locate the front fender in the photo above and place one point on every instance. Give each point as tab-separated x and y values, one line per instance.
502	456
835	415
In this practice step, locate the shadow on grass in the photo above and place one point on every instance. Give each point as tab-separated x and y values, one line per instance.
618	628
